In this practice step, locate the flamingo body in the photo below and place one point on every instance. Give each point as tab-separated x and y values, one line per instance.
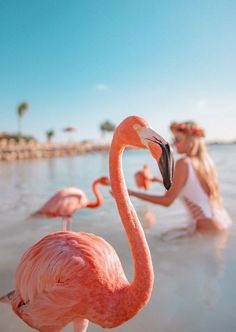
143	178
63	203
67	265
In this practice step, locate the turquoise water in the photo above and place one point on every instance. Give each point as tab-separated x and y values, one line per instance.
194	276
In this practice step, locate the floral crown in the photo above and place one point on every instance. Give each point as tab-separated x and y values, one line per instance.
188	128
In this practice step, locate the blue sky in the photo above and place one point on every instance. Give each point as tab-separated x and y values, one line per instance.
79	63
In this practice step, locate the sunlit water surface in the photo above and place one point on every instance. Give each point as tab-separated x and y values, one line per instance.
194	276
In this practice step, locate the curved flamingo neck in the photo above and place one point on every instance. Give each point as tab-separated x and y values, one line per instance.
98	195
139	290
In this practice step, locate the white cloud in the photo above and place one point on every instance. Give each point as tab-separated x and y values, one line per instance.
101	87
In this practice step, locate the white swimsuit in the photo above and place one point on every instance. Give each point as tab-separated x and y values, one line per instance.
198	203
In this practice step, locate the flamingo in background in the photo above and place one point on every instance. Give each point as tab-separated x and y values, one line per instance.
144	177
68	200
78	277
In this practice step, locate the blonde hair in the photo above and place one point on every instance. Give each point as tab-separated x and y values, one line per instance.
196	147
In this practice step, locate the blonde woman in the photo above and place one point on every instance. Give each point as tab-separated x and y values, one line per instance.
195	181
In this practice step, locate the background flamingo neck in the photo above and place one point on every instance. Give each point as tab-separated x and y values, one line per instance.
141	286
98	195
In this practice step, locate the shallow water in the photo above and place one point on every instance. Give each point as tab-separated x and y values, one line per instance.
194	276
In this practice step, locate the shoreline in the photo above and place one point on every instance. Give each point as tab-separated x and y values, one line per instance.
11	151
36	150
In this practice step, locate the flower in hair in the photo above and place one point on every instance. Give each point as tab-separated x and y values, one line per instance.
188	128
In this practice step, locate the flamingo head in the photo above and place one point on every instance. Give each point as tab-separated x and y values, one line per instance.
104	180
146	167
135	131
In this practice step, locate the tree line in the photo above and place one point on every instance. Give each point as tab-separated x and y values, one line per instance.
23	107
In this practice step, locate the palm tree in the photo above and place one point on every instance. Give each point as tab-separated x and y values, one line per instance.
21	109
107	126
50	133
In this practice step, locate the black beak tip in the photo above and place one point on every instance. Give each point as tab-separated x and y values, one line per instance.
167	184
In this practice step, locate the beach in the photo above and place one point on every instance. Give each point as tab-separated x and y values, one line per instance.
194	289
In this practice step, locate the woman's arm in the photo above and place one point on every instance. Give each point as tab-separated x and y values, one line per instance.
179	179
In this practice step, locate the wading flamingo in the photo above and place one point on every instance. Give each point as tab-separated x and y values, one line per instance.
68	200
78	277
144	177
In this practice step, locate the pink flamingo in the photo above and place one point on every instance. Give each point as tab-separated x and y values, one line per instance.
78	277
68	200
144	177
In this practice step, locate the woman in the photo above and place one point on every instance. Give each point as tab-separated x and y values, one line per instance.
195	181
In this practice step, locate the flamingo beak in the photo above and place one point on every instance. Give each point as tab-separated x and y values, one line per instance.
166	165
161	151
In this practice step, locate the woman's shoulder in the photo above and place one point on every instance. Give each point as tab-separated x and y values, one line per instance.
181	167
182	162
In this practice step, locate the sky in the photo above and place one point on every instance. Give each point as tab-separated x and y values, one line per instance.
79	63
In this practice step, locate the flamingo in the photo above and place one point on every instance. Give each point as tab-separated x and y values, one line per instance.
78	277
144	177
67	201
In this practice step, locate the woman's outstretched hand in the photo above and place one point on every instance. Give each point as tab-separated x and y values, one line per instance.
155	179
130	192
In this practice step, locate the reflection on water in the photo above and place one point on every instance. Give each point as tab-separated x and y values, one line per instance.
215	269
194	276
146	215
